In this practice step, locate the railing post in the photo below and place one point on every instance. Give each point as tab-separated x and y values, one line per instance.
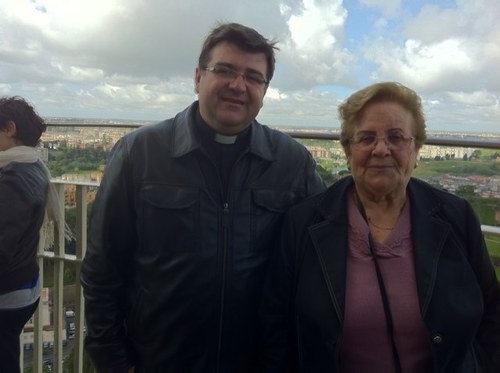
81	246
58	288
38	319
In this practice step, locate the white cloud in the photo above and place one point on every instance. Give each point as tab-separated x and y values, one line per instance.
314	52
136	59
424	67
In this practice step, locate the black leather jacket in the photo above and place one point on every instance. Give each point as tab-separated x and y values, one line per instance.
173	272
23	188
457	289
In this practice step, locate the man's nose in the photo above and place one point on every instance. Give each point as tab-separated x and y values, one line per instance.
238	82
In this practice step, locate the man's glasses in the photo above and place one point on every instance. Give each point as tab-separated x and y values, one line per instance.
368	141
225	72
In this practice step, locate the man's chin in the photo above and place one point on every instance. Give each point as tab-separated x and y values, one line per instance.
234	123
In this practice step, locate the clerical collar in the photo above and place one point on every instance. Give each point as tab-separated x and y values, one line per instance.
208	132
224	139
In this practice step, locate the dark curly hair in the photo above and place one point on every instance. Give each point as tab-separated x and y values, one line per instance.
29	125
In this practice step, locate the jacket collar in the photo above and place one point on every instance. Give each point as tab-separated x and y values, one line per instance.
429	233
185	141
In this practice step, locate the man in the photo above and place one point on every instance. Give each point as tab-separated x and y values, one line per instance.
185	218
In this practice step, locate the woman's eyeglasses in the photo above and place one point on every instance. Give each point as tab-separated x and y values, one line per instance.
396	141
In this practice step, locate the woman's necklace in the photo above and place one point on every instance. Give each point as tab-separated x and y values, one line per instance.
370	221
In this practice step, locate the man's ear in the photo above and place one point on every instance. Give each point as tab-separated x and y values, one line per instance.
197	78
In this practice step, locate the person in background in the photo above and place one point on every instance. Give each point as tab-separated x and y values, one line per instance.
28	208
185	218
382	272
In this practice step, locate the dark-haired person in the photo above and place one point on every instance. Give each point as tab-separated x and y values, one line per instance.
382	272
27	204
185	218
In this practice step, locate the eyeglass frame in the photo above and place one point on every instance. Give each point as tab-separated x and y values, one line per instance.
407	140
220	70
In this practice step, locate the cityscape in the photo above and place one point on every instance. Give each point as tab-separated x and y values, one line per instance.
103	134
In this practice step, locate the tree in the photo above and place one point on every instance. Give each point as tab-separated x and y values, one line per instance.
466	191
476	154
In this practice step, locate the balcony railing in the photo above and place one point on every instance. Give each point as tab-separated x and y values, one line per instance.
60	259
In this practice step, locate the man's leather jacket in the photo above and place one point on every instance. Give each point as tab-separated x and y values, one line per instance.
174	267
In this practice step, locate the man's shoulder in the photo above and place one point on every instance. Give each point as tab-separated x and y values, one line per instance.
273	133
149	130
162	127
279	140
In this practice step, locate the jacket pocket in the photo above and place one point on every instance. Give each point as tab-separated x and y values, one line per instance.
170	219
268	209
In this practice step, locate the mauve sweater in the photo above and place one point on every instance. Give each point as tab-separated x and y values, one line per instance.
366	345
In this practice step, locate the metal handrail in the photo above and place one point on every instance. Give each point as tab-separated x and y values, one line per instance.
451	139
60	258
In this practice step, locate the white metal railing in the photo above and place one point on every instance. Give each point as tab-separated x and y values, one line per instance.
60	259
56	302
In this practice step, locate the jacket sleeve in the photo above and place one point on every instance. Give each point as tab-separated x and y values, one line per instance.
488	335
22	203
12	225
107	266
277	352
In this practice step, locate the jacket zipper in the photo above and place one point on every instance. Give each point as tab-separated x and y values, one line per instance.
225	231
225	225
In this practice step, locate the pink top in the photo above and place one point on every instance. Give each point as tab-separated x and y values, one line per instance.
366	345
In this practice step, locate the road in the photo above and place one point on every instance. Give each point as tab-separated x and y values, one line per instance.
48	354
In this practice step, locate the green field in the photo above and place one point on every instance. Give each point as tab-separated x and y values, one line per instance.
481	167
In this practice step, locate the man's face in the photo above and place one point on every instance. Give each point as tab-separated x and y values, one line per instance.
229	104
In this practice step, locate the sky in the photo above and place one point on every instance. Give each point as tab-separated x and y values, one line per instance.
135	59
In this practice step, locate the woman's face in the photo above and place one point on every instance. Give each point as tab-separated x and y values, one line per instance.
383	167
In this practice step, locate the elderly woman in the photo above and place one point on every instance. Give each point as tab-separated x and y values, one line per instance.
24	190
382	272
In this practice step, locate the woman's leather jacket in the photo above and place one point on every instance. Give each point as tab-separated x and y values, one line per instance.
458	292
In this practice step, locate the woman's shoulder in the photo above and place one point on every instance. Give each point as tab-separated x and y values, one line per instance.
422	187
